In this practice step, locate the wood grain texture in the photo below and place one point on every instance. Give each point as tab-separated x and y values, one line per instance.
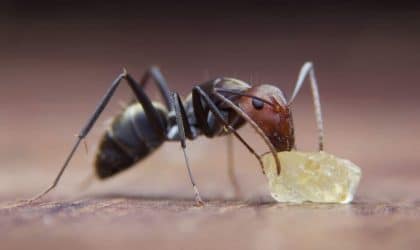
135	223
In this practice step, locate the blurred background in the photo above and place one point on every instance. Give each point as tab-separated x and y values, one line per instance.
58	57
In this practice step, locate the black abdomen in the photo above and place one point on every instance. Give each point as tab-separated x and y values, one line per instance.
129	139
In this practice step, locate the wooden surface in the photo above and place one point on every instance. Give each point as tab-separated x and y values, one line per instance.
136	223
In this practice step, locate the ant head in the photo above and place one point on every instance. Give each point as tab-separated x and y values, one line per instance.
267	106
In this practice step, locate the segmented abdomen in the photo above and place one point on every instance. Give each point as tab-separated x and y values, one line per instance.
129	139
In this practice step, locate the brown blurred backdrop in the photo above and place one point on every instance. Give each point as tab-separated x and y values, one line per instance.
58	57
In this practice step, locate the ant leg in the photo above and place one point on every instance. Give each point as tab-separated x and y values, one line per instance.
181	120
198	91
142	98
154	73
308	69
231	165
85	130
253	125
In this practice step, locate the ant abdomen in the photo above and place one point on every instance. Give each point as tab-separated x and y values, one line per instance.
129	139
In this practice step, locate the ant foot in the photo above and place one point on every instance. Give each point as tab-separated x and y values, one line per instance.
199	202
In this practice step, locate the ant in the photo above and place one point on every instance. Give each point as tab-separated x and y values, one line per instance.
214	108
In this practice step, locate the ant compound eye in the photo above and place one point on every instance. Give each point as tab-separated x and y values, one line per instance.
258	104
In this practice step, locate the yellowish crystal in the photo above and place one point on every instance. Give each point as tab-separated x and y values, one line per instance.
314	177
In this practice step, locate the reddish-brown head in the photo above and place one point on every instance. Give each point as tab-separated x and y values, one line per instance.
267	107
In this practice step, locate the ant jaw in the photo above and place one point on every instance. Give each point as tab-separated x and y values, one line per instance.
282	143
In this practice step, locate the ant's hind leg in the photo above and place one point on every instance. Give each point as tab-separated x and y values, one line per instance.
82	134
142	98
180	120
308	70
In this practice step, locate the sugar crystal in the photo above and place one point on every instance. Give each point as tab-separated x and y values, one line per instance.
314	177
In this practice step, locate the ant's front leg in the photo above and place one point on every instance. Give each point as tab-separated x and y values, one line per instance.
197	94
257	129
